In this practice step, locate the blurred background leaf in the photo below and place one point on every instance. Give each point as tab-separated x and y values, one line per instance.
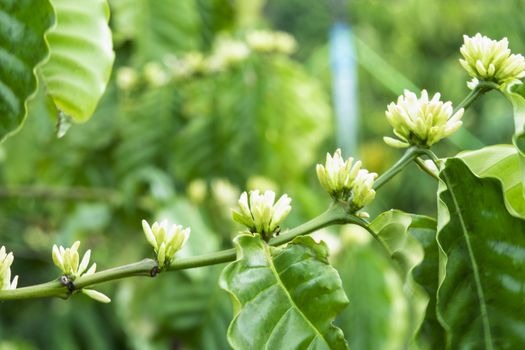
80	56
184	149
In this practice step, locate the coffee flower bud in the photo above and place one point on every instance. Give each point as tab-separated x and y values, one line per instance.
5	271
67	260
259	213
347	182
421	122
490	60
165	239
337	175
362	191
96	295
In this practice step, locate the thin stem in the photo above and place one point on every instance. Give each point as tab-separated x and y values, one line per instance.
50	289
479	90
468	100
366	225
432	156
410	154
60	193
146	267
336	214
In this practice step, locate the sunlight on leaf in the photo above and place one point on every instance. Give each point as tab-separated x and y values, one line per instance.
81	56
482	274
503	163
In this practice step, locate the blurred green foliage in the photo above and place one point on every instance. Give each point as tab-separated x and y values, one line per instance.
185	150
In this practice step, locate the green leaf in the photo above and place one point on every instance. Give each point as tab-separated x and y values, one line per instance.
518	104
284	298
503	163
157	28
294	117
22	47
265	106
481	291
392	227
378	315
431	334
217	16
386	306
81	56
194	312
146	126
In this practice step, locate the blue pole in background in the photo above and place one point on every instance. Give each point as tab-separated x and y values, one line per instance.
344	87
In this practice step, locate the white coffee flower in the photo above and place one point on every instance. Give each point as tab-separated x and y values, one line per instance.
260	40
227	53
186	66
267	41
337	175
347	182
259	213
421	121
491	60
363	190
5	270
165	239
67	260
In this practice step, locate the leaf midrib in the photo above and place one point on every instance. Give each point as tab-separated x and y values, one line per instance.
269	257
479	290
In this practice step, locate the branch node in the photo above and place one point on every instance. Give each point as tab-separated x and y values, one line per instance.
154	271
66	282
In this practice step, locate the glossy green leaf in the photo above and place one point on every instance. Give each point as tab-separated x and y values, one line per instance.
22	47
378	316
284	298
503	163
81	56
481	291
431	334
